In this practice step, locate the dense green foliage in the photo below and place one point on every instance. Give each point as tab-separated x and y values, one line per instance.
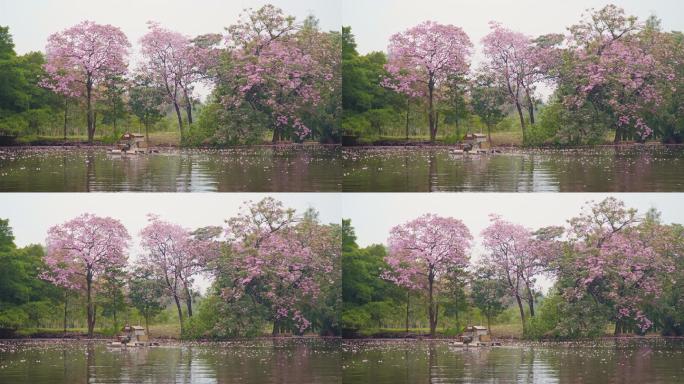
367	300
368	107
24	298
25	107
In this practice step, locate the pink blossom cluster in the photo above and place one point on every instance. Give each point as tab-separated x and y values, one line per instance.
618	68
174	62
84	55
275	69
618	260
288	258
424	56
426	248
174	254
82	250
515	255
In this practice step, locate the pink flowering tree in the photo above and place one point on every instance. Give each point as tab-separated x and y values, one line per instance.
517	257
423	58
519	63
616	71
80	60
275	70
83	251
424	250
175	63
175	256
617	260
280	260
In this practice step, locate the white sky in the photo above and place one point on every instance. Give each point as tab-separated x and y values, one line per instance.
31	214
373	22
32	21
374	214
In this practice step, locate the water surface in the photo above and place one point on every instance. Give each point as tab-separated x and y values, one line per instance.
253	169
600	169
263	361
601	362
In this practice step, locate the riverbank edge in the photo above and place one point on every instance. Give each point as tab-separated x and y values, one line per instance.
102	145
514	340
438	145
167	340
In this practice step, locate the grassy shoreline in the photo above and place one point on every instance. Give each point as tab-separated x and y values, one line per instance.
157	332
500	139
157	139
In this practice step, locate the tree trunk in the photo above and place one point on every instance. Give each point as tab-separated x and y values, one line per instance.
188	106
180	312
147	323
180	119
531	113
408	301
522	120
431	111
530	106
147	134
66	303
90	118
66	113
514	95
489	135
530	298
618	135
276	135
188	301
408	109
432	313
276	328
522	312
89	301
489	325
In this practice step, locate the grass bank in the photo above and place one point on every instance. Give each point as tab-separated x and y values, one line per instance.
157	139
508	138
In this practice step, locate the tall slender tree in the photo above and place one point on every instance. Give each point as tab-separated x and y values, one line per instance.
81	59
84	250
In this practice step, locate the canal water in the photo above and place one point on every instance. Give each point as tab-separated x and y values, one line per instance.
598	362
434	169
253	169
261	361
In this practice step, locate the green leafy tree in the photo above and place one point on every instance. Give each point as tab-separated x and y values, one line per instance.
146	102
488	294
487	101
367	299
25	299
146	294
